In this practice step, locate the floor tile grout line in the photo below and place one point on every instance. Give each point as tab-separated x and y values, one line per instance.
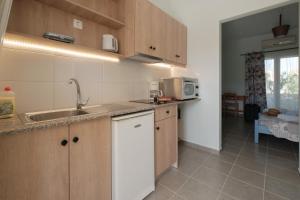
266	165
189	177
233	164
282	197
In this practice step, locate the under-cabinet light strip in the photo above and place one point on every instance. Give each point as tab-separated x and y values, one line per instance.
163	65
35	46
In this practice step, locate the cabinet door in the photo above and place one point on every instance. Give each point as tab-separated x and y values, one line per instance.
143	27
35	165
90	160
165	144
181	44
171	39
158	32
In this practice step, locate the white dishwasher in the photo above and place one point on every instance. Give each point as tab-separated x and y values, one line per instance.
133	156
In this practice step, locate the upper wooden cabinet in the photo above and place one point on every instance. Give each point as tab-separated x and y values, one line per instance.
176	42
150	26
158	34
139	26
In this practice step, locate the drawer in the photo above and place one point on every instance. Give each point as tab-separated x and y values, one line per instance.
165	112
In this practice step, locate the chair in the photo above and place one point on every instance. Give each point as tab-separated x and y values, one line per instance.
230	103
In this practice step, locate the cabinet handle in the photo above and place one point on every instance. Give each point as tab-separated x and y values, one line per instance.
64	142
168	112
157	128
151	47
138	125
177	56
75	139
154	48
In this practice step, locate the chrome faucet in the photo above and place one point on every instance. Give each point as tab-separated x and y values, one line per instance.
79	103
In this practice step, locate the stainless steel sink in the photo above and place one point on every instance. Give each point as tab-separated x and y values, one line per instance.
55	115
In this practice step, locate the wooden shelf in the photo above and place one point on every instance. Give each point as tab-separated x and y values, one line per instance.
39	44
85	12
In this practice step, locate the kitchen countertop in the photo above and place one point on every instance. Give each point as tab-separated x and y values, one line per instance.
18	124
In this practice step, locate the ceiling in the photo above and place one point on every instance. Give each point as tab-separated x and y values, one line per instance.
261	23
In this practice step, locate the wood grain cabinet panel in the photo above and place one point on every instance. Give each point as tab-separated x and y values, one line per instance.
35	165
64	163
181	44
158	32
90	160
143	33
150	29
165	144
171	39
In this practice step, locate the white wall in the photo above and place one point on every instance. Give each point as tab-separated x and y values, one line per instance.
233	65
202	121
40	80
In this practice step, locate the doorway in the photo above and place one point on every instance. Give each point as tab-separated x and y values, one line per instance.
246	45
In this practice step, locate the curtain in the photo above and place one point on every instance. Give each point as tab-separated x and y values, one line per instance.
255	80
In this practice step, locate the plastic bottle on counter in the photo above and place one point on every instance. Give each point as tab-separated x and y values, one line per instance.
7	103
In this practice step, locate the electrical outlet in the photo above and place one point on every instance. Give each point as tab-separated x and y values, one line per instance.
77	24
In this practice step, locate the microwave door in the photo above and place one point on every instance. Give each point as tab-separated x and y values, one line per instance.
189	90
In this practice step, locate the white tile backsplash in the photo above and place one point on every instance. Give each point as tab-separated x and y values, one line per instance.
41	81
24	66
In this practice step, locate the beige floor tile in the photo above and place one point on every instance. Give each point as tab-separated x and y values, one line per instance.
248	176
160	193
187	165
218	165
289	176
281	188
270	196
282	163
210	177
172	179
242	191
194	190
225	156
281	154
226	197
176	197
193	154
232	149
252	164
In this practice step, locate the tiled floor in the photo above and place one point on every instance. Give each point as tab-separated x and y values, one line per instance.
242	171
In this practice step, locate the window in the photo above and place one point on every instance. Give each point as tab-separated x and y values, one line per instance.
282	81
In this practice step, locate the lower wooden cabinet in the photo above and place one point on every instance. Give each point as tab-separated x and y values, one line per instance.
62	163
90	160
35	165
166	145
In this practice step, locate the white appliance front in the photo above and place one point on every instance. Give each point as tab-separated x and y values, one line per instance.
133	175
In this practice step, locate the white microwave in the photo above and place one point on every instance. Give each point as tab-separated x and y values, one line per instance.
181	88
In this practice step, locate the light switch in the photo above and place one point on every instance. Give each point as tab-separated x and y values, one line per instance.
77	24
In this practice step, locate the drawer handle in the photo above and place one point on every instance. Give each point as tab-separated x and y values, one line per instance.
137	126
64	142
154	48
168	112
157	128
75	139
151	47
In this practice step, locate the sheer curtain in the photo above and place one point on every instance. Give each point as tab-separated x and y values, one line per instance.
282	81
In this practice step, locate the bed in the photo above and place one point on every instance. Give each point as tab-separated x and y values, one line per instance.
284	126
